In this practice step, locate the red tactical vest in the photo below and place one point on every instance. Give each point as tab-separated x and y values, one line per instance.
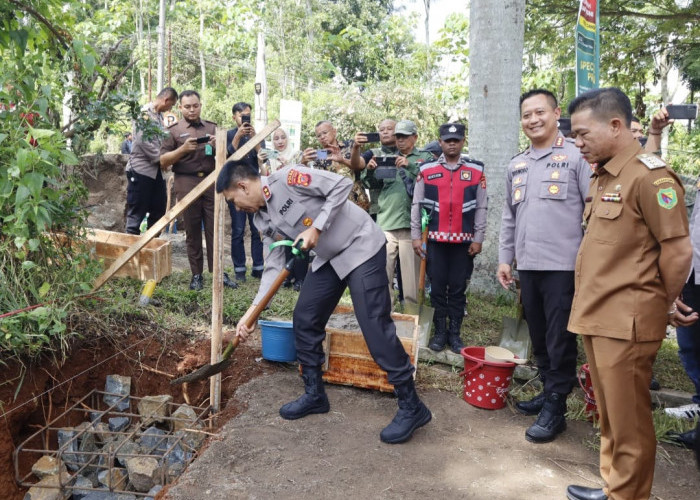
452	193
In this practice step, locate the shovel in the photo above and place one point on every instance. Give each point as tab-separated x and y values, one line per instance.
516	336
424	313
209	370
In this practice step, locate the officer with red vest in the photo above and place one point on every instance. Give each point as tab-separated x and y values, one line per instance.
453	190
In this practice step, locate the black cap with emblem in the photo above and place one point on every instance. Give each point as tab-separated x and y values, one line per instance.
452	131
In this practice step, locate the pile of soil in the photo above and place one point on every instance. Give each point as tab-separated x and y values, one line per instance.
44	390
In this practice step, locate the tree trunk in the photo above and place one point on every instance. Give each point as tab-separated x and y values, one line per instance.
139	42
161	45
496	39
202	63
261	78
426	3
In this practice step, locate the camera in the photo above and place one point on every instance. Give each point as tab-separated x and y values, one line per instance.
385	161
682	111
271	153
371	136
245	119
321	154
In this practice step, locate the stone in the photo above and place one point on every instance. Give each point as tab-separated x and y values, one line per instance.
144	472
119	386
153	441
155	408
184	418
95	416
192	440
153	492
46	466
117	480
118	424
48	488
82	482
67	445
102	432
126	451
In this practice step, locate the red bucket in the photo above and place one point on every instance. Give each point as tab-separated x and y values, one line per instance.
584	380
486	383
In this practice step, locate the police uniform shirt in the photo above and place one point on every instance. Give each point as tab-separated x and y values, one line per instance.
145	154
544	198
635	203
296	198
197	162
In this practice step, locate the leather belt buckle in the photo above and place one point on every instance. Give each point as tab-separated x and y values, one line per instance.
200	174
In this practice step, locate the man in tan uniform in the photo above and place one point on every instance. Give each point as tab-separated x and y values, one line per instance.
633	260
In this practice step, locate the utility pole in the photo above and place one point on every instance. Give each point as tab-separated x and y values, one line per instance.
150	81
161	45
260	84
170	58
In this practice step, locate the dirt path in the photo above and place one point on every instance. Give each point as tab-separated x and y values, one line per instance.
464	452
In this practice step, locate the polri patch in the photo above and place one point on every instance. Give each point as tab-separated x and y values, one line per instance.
286	206
296	178
465	175
651	161
667	198
266	192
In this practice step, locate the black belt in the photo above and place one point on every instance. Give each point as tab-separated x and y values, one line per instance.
193	174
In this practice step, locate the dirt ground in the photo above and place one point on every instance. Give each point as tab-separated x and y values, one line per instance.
465	452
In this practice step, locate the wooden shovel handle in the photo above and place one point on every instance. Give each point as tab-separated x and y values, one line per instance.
423	266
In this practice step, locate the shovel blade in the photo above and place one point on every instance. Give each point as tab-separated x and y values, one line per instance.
515	337
425	319
205	371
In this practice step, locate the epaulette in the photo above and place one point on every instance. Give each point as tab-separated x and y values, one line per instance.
171	125
651	161
471	160
207	121
519	153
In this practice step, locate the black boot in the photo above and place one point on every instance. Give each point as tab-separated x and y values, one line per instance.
411	415
531	406
314	399
438	341
551	421
574	492
454	334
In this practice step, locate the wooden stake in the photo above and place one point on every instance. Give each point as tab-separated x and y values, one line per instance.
217	300
181	206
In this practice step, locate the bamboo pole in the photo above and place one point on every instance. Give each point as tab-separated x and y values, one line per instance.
217	297
181	206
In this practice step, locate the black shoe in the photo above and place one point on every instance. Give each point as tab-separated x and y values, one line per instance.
532	406
438	341
685	439
197	282
240	277
551	421
582	493
454	333
314	399
228	282
287	283
297	285
256	273
412	414
456	344
654	385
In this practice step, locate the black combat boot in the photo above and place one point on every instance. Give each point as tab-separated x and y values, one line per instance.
411	415
438	341
454	334
551	421
314	399
531	406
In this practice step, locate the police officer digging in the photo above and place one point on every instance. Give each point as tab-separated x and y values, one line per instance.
546	186
312	205
453	190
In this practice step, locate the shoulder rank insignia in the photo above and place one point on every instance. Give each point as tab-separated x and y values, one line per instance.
651	161
296	178
266	192
667	198
559	142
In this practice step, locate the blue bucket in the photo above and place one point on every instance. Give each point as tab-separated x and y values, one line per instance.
278	341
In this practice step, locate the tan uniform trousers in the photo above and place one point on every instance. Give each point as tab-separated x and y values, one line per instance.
399	243
202	209
621	374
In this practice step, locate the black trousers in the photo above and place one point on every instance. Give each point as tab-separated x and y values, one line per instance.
449	268
369	289
144	195
547	297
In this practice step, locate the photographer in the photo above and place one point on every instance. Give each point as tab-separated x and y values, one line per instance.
235	138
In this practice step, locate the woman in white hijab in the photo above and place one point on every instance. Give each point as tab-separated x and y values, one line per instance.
282	155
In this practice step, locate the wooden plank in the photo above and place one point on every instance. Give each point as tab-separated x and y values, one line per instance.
206	183
217	292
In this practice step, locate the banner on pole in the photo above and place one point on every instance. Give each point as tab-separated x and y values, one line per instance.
587	46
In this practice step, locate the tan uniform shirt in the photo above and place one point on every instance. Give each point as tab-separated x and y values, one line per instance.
201	161
629	210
